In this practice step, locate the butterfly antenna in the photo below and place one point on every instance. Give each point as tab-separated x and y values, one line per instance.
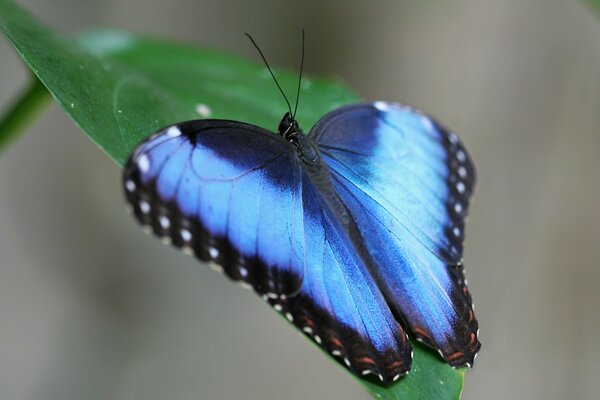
269	68
300	77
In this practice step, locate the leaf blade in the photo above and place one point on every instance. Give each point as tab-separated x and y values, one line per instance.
119	88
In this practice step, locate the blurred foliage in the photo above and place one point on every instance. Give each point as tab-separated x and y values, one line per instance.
594	3
22	111
118	88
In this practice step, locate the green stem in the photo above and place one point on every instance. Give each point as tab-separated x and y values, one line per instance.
30	102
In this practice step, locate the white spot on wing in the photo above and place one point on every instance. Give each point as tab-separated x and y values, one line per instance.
462	172
460	155
203	110
453	138
460	187
164	222
427	123
144	206
243	272
173	132
382	106
130	185
214	253
185	235
458	208
143	163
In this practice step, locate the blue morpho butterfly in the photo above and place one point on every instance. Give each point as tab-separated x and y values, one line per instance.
354	232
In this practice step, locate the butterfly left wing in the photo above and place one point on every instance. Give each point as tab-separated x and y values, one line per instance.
406	182
229	193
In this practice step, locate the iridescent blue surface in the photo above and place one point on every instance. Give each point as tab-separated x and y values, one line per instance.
353	232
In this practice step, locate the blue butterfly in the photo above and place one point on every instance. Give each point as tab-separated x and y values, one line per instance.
354	232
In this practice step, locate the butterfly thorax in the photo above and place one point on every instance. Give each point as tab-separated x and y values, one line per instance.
319	174
305	146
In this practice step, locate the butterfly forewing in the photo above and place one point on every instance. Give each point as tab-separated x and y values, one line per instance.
228	192
406	183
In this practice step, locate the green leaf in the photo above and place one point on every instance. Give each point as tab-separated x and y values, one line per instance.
594	3
118	88
429	378
22	111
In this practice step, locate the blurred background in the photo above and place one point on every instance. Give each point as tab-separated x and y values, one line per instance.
91	308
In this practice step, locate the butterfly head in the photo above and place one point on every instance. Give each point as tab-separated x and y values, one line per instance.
288	127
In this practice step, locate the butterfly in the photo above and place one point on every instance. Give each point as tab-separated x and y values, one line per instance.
353	232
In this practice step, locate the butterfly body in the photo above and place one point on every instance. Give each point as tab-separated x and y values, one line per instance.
353	232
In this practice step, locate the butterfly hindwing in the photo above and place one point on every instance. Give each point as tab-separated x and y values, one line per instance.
228	192
406	182
339	306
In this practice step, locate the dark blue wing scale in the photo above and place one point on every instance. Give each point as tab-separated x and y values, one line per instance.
406	182
339	305
237	206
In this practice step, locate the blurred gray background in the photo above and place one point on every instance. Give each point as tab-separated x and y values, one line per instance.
91	308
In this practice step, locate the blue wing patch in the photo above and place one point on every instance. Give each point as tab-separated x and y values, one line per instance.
240	206
406	183
339	306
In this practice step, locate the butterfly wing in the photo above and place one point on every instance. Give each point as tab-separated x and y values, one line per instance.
406	182
237	195
339	306
228	192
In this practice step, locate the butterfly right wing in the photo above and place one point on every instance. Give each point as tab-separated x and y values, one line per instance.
229	193
339	306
